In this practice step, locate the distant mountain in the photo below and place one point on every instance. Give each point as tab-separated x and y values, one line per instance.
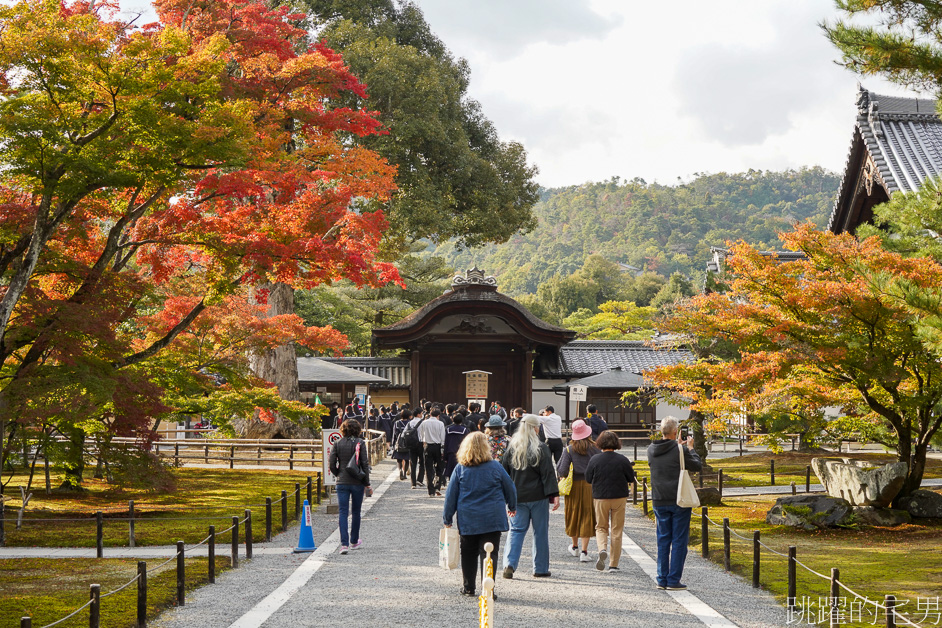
650	226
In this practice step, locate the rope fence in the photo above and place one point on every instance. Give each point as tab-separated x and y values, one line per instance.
891	614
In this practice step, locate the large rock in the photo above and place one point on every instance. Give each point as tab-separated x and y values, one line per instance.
883	517
923	503
809	512
860	482
709	496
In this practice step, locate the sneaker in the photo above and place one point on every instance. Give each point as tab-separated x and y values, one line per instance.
613	569
573	550
584	557
414	487
466	592
661	586
677	587
357	545
603	558
542	575
344	549
509	572
421	483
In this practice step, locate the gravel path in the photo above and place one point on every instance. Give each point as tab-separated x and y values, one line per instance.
395	580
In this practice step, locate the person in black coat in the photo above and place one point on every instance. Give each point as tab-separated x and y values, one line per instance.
611	476
349	488
454	434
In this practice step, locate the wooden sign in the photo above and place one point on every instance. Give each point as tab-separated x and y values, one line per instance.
578	393
476	384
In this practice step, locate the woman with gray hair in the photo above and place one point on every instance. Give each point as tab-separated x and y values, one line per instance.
529	463
673	521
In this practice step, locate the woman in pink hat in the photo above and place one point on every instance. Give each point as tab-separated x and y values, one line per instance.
580	513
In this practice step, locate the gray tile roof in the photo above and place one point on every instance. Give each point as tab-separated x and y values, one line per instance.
615	378
582	358
398	371
319	371
904	138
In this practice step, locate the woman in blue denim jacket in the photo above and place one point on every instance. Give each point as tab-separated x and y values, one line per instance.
478	490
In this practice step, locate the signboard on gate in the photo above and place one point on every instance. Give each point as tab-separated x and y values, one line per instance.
476	384
330	439
578	393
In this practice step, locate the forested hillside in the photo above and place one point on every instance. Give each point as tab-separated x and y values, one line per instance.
653	227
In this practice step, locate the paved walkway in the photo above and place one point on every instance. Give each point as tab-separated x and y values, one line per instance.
395	580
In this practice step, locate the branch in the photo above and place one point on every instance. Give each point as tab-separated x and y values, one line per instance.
165	341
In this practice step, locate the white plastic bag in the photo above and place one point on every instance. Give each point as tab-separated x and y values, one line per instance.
448	548
686	492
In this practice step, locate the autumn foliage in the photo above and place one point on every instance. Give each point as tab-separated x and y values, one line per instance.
151	176
826	330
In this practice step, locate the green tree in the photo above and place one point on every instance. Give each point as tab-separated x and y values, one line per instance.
615	320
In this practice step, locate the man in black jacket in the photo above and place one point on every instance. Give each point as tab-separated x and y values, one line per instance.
673	522
593	420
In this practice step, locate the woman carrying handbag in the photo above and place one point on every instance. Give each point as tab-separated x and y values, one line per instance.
350	462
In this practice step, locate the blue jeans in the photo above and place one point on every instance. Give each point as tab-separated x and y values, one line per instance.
535	514
344	493
673	533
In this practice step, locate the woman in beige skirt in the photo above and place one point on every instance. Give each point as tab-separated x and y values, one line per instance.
580	512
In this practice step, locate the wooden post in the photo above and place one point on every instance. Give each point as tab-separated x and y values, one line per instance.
704	533
808	479
205	454
258	456
181	574
890	603
248	533
176	454
284	511
131	539
634	492
268	519
319	487
212	555
26	622
772	471
636	451
726	561
792	576
644	486
719	483
291	457
310	488
755	559
231	457
94	611
235	542
794	489
99	535
835	594
297	502
141	594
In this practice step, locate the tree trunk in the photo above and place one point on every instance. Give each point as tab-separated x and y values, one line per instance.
696	421
280	367
74	460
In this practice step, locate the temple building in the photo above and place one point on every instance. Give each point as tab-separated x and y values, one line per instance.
474	343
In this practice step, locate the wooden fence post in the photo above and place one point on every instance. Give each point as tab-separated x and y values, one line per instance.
890	603
634	492
99	535
131	539
726	561
235	542
205	454
248	533
268	519
291	457
284	511
26	622
755	559
835	593
232	457
141	594
792	576
636	451
772	471
212	555
181	574
704	533
297	502
176	455
644	487
319	487
94	610
808	479
719	483
794	489
310	488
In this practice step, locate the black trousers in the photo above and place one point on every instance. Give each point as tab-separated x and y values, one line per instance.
434	466
473	554
418	463
556	447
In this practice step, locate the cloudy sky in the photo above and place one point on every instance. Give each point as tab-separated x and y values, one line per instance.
658	90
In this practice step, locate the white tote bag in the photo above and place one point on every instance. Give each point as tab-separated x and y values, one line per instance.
448	548
686	493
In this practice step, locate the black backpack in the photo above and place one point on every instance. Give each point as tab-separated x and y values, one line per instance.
409	439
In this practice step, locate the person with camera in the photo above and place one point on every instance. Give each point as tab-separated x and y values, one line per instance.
673	521
350	463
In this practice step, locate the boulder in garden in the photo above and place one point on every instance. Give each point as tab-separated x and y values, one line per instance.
860	482
809	512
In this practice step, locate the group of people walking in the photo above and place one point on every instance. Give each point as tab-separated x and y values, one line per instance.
505	474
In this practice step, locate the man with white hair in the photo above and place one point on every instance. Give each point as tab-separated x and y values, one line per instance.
673	522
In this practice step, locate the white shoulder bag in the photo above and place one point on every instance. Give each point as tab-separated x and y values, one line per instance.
686	493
